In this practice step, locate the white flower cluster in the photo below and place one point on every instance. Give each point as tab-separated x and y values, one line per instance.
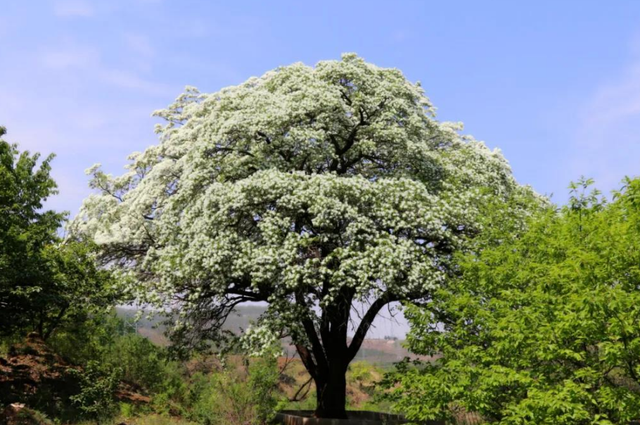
292	187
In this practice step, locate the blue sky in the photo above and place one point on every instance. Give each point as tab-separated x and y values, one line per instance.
554	84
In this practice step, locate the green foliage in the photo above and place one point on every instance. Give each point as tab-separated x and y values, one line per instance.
90	338
142	362
148	367
26	416
127	410
360	372
43	281
108	344
154	419
96	399
263	379
112	342
543	327
365	377
307	403
248	396
76	287
25	231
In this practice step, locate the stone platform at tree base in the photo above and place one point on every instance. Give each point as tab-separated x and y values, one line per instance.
305	417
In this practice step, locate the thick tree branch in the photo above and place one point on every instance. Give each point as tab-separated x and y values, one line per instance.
316	345
55	322
307	360
366	322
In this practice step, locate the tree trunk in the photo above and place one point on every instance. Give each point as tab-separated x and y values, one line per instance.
331	392
327	359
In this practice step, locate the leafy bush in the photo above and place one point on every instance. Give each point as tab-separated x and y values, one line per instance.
23	416
263	380
111	341
142	362
360	373
237	397
45	282
108	344
88	339
97	390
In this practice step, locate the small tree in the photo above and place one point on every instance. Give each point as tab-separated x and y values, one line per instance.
314	190
43	281
543	327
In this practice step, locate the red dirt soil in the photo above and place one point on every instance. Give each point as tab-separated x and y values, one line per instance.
32	373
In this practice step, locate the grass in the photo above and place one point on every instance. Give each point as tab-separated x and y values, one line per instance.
148	419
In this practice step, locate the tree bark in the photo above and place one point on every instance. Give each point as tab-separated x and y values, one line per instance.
331	392
327	358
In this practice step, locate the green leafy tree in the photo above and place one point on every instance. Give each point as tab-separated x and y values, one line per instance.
544	325
316	190
25	231
43	280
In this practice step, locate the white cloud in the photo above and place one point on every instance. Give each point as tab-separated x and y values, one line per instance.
128	80
67	57
139	44
73	8
615	101
607	141
84	64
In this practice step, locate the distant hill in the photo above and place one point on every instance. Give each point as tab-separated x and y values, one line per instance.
238	321
377	351
154	329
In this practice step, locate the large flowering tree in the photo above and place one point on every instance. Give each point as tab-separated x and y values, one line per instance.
315	190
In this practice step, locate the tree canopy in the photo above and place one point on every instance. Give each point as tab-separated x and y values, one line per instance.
43	281
543	327
312	189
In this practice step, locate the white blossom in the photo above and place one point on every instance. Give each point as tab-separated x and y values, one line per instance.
312	181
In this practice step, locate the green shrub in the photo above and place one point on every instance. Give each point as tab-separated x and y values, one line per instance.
141	361
26	416
127	410
89	339
263	380
235	397
96	399
111	342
